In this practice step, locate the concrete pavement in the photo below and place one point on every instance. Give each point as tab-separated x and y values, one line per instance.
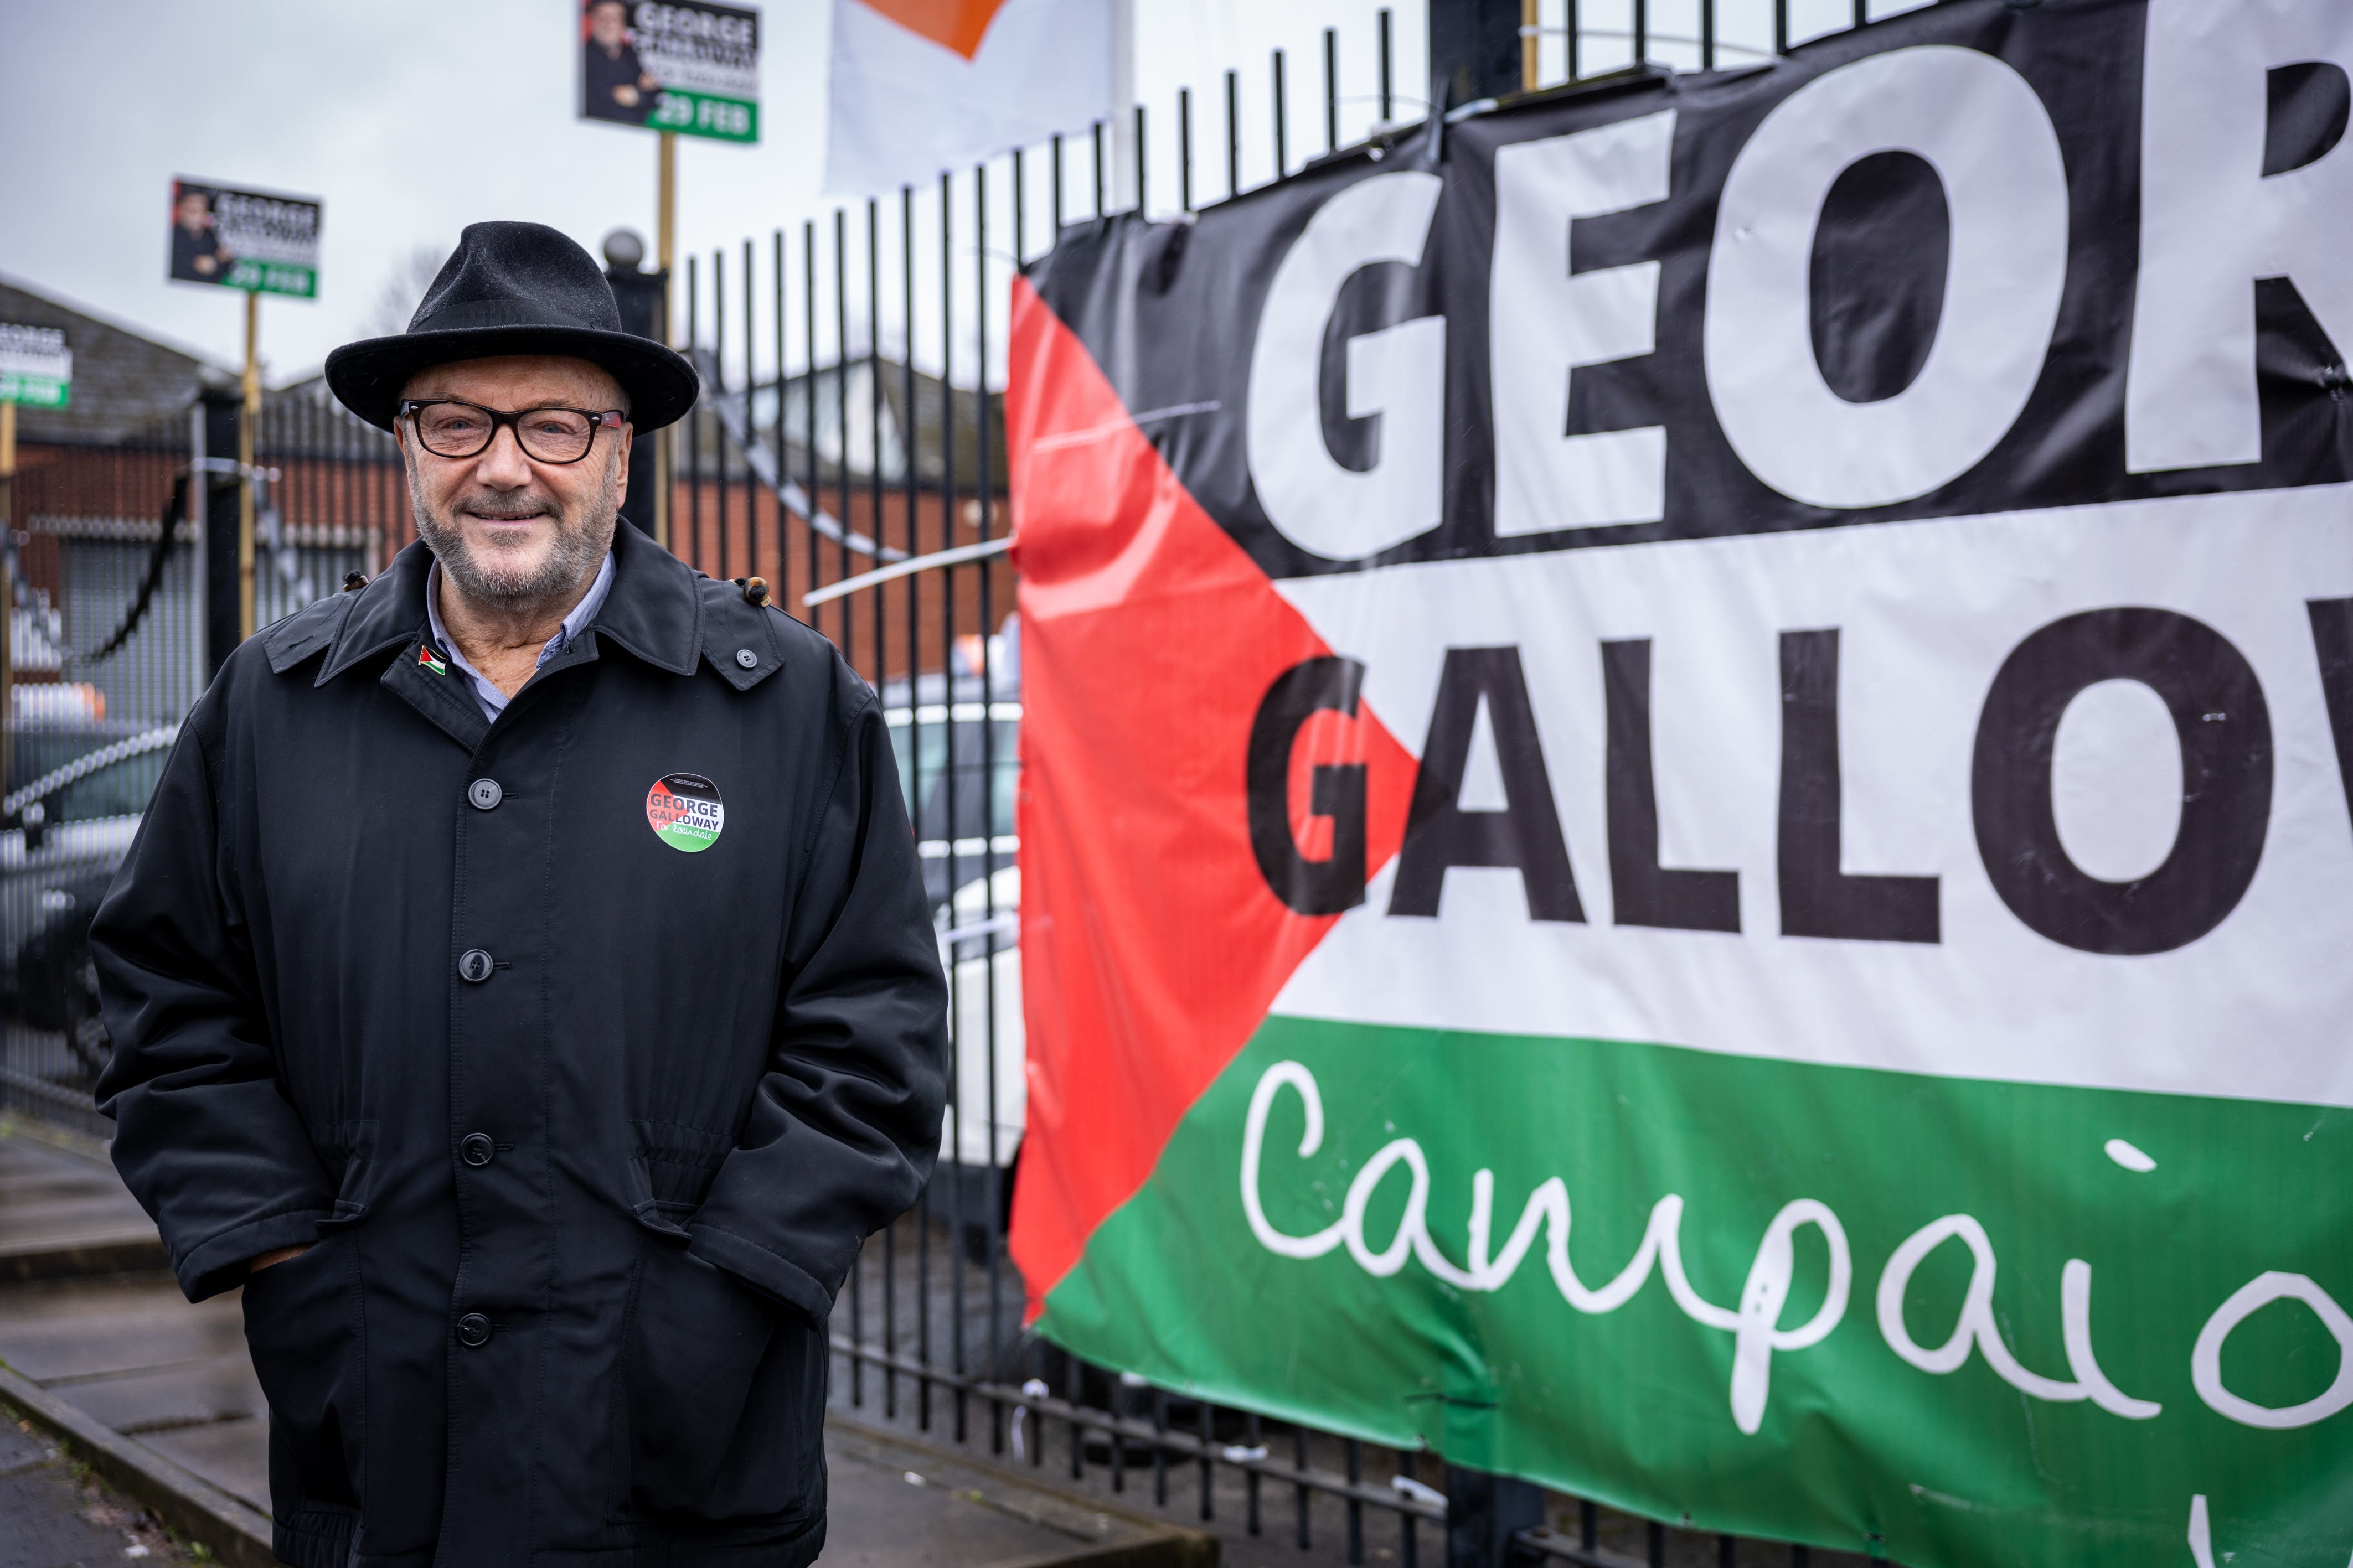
52	1517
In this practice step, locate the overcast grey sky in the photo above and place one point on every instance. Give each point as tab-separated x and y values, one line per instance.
413	119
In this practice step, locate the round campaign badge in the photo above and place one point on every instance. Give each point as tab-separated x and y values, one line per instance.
684	812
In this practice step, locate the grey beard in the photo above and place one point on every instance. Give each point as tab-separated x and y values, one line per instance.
577	549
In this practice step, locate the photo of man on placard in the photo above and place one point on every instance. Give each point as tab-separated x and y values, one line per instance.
196	253
614	83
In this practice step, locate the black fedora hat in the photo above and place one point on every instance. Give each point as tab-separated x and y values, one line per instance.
515	288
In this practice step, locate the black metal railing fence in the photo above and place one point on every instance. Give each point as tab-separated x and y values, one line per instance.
102	628
111	611
849	449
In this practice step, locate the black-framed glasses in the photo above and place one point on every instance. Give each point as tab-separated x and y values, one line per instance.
450	428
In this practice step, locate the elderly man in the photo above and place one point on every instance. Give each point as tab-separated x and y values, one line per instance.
522	986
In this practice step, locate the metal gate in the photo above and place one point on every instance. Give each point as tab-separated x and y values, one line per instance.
871	493
110	638
849	447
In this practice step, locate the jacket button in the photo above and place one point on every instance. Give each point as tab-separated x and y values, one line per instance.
473	1331
485	793
474	965
747	658
477	1150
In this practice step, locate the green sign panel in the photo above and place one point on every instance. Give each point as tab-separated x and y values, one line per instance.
34	392
36	366
686	68
255	240
274	277
702	114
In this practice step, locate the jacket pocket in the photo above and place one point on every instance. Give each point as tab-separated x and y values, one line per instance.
726	1399
302	1326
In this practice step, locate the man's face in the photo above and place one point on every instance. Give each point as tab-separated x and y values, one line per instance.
507	529
192	214
608	25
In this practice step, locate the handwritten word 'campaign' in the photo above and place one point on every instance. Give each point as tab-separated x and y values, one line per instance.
1755	1323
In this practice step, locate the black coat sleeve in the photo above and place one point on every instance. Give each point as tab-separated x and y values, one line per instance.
845	1126
204	1138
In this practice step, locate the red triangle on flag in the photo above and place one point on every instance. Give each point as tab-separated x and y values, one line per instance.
959	24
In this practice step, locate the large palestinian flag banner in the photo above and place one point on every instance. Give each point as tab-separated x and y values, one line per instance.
1686	821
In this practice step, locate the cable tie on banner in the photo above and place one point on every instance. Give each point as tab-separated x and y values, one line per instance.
1407	1486
1034	1389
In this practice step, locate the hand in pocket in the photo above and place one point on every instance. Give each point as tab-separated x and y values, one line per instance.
302	1316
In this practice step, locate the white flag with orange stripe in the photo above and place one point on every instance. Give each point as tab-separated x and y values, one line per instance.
920	85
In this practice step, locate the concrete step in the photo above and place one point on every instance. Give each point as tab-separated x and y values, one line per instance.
64	1213
893	1502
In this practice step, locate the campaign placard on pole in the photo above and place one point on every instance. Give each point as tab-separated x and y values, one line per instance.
36	366
691	69
256	240
1685	775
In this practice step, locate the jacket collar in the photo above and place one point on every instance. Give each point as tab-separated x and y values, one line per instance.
653	610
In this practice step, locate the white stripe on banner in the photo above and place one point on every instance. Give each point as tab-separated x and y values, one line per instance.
1926	614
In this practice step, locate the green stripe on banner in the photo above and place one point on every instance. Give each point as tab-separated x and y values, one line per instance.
1684	1353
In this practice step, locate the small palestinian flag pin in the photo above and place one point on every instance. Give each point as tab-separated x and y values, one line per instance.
431	660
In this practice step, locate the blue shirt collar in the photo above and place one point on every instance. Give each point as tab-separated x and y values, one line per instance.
486	693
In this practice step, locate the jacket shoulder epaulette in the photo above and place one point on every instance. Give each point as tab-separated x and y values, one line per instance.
734	627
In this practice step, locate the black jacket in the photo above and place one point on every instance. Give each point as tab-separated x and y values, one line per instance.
600	73
585	1128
